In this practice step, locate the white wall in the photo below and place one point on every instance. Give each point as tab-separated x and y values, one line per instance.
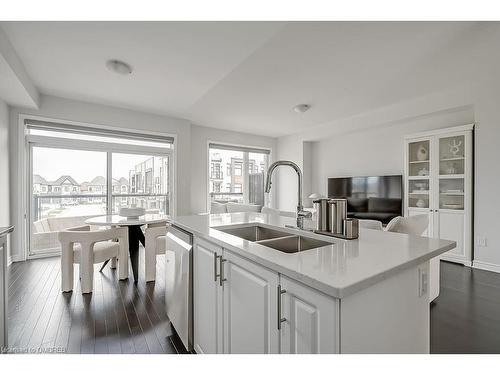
4	166
375	151
200	136
372	144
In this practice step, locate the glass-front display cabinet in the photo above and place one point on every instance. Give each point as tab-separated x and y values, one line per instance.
438	183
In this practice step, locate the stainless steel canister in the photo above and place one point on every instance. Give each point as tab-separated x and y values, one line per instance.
321	206
338	213
351	228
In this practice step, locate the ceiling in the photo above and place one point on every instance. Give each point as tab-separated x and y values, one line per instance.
245	76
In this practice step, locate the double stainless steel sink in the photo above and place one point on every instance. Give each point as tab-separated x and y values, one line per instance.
275	239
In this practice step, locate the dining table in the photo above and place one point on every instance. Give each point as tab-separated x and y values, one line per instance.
135	234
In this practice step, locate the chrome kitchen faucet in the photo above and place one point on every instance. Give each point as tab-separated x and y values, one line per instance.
301	214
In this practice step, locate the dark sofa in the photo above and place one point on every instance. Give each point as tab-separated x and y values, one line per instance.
381	209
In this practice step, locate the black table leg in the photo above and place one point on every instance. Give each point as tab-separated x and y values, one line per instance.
135	236
104	265
140	235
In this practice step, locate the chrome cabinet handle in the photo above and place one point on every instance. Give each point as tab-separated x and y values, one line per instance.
215	266
221	275
280	319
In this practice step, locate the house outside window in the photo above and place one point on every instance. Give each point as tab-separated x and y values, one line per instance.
237	168
243	180
216	187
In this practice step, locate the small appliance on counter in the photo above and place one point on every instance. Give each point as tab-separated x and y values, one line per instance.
332	220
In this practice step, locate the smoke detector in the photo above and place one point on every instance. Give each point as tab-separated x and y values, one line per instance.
301	108
119	67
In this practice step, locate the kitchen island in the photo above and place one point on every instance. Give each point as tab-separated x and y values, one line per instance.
261	286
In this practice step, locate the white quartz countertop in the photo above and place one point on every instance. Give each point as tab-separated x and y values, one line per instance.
339	269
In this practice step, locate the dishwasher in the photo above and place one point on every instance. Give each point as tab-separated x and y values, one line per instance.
178	288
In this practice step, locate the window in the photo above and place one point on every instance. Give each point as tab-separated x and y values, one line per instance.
149	181
78	174
155	198
216	170
216	186
237	168
244	180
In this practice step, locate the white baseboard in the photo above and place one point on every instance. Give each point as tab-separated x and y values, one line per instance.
456	259
486	266
16	258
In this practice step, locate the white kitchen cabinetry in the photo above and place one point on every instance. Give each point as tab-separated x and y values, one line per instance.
207	298
4	231
438	182
3	289
250	306
237	308
235	303
243	307
311	319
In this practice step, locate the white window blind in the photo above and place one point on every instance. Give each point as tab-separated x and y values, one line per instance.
219	146
46	128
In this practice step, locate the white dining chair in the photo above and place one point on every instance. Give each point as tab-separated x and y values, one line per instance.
415	225
87	247
370	224
155	244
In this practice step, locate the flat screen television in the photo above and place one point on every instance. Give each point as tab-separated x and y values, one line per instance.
369	197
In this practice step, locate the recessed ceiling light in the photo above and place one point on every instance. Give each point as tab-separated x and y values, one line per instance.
301	108
119	67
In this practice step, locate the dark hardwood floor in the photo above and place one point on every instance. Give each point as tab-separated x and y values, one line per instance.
118	317
465	318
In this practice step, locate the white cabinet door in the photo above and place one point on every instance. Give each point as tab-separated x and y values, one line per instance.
3	296
207	298
250	307
311	324
452	226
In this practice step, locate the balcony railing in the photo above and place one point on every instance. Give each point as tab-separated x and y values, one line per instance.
119	200
54	212
222	197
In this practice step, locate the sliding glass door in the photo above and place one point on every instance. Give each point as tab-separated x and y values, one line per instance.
74	178
68	186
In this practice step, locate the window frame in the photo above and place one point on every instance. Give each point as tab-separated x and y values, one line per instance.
268	198
26	141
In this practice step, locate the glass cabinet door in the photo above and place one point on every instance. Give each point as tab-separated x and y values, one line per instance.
419	156
452	172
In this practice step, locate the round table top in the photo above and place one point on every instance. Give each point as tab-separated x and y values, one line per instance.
126	221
